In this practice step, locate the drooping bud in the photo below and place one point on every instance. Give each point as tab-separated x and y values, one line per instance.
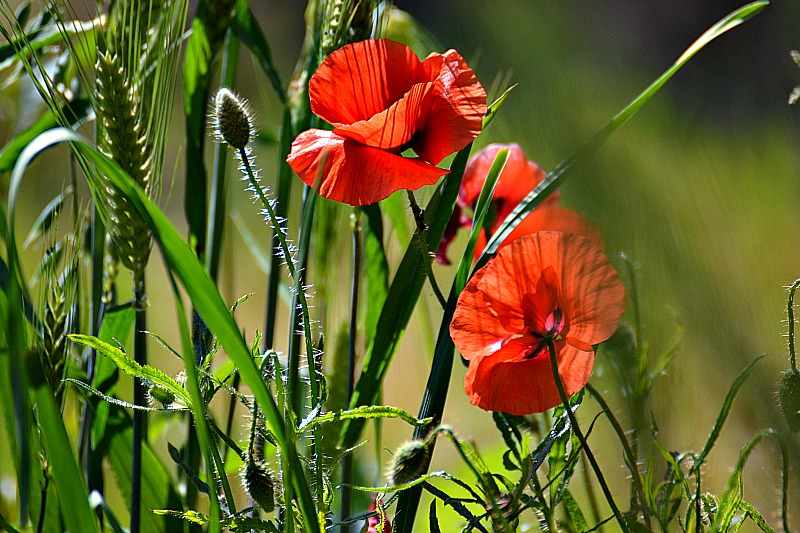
161	395
789	396
233	121
409	461
257	482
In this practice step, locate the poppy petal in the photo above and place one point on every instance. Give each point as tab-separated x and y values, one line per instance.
524	386
356	174
362	79
457	111
395	126
546	219
480	320
519	177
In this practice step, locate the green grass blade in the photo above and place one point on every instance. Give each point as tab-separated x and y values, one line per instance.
158	491
435	394
204	296
726	409
377	270
66	475
402	297
566	167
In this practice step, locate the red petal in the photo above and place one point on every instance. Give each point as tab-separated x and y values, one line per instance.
356	174
457	112
519	177
363	79
503	382
393	127
592	297
546	219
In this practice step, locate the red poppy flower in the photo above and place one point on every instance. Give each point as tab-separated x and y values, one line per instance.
382	100
519	177
549	283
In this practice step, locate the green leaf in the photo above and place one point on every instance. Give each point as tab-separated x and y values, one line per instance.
66	475
158	491
726	409
574	512
365	412
47	217
132	368
377	268
491	110
753	514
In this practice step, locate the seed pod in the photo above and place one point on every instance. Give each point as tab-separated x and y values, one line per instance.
789	396
258	483
162	395
409	461
233	122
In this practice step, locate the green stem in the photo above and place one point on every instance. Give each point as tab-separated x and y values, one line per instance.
347	460
790	312
638	486
419	218
574	424
139	416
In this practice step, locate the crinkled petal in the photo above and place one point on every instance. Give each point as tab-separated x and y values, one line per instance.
507	383
485	316
457	111
548	218
355	174
392	128
363	79
593	297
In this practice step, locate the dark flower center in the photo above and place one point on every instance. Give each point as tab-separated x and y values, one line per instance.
553	328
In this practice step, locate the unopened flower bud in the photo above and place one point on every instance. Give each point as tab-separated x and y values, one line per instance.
161	395
409	461
232	119
789	396
257	482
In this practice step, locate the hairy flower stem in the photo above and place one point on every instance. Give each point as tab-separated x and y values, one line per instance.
790	313
574	424
295	273
139	416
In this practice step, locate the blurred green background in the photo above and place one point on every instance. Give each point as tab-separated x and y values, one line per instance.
700	190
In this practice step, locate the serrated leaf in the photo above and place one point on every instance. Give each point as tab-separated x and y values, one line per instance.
574	512
132	368
366	412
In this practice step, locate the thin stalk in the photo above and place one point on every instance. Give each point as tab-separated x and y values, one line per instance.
347	460
299	295
638	486
419	218
574	424
590	494
139	416
229	419
790	312
43	504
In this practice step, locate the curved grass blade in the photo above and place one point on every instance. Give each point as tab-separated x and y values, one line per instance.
402	297
205	297
246	28
726	409
566	167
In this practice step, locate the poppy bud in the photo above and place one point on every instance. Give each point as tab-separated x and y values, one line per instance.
789	396
232	119
162	395
409	461
257	482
